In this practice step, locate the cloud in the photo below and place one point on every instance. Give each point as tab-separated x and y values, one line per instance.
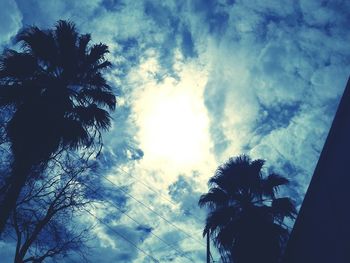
45	14
278	82
257	77
11	21
7	249
185	192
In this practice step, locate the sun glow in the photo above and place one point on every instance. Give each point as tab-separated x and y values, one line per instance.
173	122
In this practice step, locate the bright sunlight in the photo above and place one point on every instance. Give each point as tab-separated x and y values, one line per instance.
173	122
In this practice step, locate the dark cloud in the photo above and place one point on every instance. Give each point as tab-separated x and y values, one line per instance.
46	13
113	5
187	46
276	117
214	15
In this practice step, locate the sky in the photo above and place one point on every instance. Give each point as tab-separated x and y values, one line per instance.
199	82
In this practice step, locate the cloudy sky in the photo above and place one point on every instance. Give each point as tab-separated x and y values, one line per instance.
200	81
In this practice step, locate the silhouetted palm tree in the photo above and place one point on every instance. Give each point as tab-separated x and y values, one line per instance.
58	95
246	218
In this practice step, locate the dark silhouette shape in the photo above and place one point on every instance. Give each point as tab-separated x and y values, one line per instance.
246	219
59	96
321	233
42	223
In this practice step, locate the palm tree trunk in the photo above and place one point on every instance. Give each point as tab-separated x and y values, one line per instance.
16	182
208	246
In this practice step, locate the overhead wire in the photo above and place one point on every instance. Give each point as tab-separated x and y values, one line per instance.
152	210
159	193
181	253
123	237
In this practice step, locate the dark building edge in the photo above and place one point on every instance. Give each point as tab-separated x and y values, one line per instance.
322	230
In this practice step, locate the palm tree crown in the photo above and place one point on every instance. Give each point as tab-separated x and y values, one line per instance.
57	89
59	97
246	219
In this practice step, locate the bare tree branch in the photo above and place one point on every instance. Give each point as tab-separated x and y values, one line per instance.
43	220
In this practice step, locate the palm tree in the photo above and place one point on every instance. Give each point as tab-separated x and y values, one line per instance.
58	96
246	219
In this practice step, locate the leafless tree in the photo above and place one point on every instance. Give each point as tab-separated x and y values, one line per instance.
43	222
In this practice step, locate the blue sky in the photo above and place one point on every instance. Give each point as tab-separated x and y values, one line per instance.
199	82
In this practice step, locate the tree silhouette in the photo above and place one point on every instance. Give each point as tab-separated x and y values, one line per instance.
42	223
59	97
246	219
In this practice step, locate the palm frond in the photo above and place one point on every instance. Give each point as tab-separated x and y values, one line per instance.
66	38
39	43
102	118
93	115
66	33
97	80
239	175
97	53
256	167
284	207
215	197
10	95
234	165
83	43
100	97
17	65
228	234
271	184
105	64
219	218
73	134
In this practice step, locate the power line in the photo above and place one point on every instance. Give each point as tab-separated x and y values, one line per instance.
160	194
182	254
152	210
123	237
